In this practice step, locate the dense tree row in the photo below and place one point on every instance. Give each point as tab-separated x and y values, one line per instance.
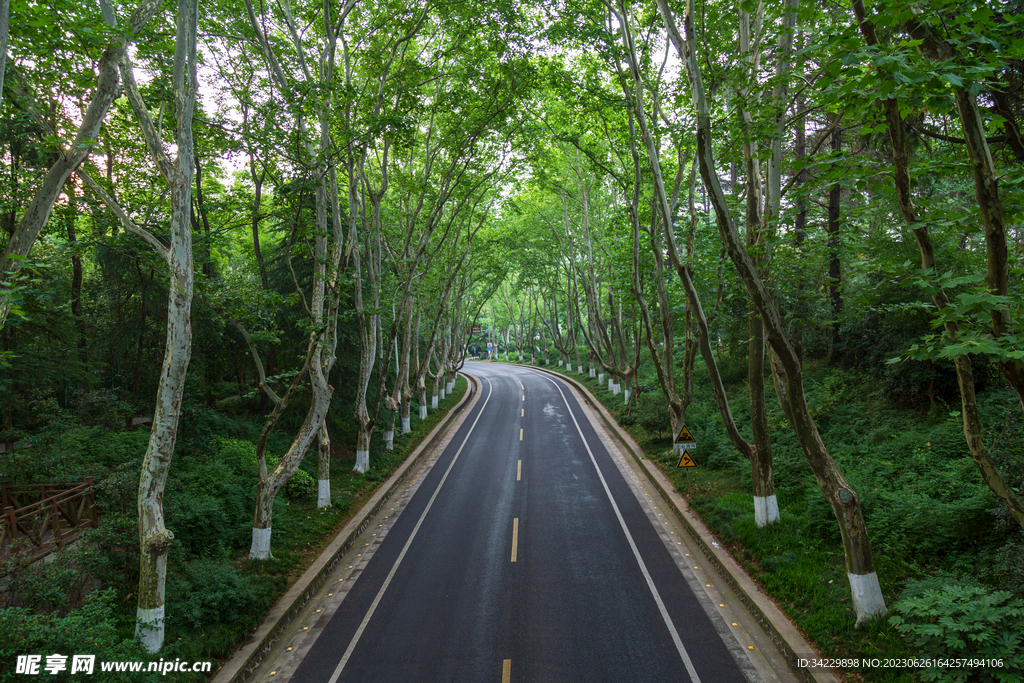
794	135
314	172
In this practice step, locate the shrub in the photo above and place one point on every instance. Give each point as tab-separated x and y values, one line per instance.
55	586
301	485
208	592
92	629
103	408
242	454
652	413
957	622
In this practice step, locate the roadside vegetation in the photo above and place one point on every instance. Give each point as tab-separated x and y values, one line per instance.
81	600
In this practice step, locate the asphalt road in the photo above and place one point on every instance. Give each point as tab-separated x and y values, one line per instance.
521	555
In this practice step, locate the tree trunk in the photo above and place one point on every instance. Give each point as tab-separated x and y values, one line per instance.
666	209
76	287
154	537
834	274
323	495
765	506
272	482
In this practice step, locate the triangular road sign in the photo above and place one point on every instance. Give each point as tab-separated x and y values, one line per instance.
686	461
685	436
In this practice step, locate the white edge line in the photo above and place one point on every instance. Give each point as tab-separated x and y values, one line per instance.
694	678
401	556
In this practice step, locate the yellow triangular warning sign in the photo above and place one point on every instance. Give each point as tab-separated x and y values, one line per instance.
685	436
686	460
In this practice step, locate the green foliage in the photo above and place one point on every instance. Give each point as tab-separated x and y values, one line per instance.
243	455
301	485
966	622
218	599
53	587
95	628
969	307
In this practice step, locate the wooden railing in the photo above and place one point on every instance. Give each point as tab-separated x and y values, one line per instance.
38	517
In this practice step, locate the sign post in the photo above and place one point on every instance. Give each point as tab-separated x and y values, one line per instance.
684	443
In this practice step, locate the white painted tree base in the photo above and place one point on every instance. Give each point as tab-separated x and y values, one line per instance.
362	461
626	392
600	378
441	394
580	369
766	510
592	373
149	628
389	439
423	412
260	548
323	493
561	363
406	425
616	388
433	401
868	601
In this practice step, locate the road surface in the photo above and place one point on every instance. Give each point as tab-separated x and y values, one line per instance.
520	552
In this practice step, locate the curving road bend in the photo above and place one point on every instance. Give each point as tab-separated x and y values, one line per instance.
520	552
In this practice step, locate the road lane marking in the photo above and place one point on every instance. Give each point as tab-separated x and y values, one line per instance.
524	397
694	678
520	433
519	471
523	413
506	671
405	549
515	537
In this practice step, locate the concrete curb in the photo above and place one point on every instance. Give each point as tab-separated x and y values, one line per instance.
776	625
242	666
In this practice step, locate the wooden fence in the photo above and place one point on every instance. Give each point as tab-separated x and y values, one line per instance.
38	517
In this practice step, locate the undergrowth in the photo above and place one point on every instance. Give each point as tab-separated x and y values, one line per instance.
83	602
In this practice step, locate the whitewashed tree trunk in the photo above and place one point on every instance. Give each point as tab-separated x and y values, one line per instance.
154	537
323	496
766	510
363	448
268	486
